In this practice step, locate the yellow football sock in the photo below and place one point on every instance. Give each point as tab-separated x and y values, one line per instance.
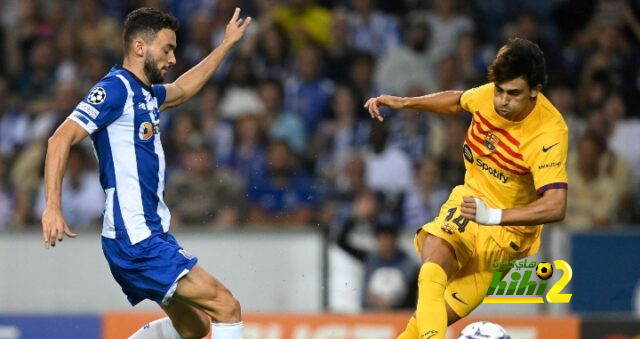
431	314
411	332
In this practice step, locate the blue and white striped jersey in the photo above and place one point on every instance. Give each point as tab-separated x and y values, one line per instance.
121	115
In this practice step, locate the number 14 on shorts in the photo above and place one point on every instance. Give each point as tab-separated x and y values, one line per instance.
460	221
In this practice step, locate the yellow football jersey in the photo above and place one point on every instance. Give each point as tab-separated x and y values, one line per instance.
510	164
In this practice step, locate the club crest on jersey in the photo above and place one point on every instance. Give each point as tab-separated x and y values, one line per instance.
147	130
491	140
97	96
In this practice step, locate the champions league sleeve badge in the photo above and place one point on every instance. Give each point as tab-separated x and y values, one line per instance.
97	96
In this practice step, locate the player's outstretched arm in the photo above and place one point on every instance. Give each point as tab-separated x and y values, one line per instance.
53	224
550	207
447	102
189	83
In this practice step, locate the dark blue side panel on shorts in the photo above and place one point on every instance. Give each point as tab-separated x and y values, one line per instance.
147	269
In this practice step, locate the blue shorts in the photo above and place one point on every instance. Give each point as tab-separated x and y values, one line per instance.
149	269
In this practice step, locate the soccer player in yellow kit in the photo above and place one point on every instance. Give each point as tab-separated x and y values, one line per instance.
515	153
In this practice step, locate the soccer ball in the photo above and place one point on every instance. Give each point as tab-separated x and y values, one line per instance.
484	330
544	270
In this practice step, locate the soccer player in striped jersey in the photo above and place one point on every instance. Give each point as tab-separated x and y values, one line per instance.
515	154
121	114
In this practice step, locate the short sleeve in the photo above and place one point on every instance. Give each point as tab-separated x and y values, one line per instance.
471	97
160	93
549	161
101	106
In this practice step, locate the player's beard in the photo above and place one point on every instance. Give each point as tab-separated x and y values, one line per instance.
152	72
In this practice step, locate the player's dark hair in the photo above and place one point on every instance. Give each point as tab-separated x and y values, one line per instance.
147	22
519	58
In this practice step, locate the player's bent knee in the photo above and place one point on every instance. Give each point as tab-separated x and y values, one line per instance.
228	307
231	309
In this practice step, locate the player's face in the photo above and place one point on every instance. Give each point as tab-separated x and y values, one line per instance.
160	56
514	97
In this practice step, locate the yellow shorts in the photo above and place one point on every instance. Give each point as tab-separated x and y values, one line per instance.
476	247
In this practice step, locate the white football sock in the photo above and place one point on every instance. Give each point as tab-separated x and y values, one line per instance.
157	329
227	331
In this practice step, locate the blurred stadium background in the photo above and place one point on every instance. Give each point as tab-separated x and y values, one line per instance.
286	190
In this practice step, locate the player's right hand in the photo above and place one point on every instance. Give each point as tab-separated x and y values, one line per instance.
236	27
373	105
53	227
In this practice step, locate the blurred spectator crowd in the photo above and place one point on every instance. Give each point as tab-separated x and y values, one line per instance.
279	137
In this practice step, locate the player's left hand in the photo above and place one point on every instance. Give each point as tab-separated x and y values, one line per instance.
468	208
476	210
236	27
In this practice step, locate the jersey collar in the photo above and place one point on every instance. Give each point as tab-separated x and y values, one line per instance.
140	82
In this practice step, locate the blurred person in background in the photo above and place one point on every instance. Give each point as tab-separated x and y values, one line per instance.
410	64
592	198
239	94
415	133
202	194
471	62
446	24
384	161
563	97
516	180
340	52
25	24
423	201
604	54
612	162
616	162
452	165
26	173
282	194
38	77
281	124
389	270
91	69
371	30
199	43
249	150
81	192
308	91
448	74
361	73
97	31
14	125
216	131
6	196
122	115
304	22
349	183
184	128
268	51
70	54
339	137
